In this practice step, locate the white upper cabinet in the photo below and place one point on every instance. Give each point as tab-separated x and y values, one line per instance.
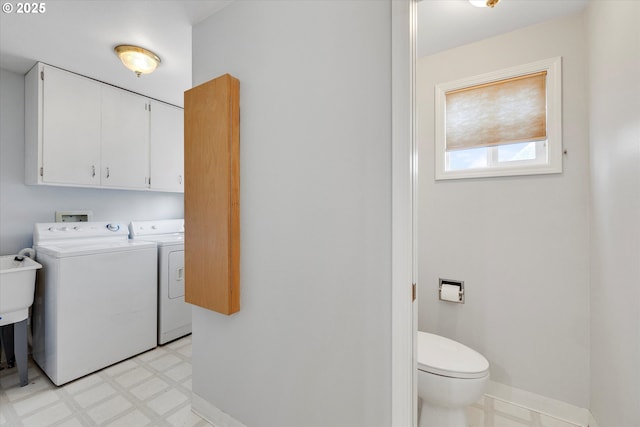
125	139
166	157
81	132
70	127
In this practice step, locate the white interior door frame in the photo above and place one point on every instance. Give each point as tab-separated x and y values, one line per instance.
404	220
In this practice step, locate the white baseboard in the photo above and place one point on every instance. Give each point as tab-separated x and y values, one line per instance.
212	414
544	405
535	402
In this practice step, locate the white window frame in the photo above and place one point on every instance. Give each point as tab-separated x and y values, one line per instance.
553	164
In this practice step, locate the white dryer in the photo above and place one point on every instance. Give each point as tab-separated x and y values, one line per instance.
174	314
95	299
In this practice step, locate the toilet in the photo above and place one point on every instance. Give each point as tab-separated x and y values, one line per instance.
451	376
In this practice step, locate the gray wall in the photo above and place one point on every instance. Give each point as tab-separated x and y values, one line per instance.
21	206
614	90
311	343
519	243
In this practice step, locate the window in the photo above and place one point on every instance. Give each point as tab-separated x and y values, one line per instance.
503	123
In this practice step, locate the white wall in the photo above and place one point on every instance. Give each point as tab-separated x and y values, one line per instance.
519	243
614	89
21	206
311	344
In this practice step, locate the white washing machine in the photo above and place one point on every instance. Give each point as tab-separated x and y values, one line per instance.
95	299
174	315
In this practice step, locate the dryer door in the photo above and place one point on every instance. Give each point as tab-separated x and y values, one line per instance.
176	274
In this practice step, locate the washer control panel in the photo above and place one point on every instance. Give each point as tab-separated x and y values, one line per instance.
78	230
150	228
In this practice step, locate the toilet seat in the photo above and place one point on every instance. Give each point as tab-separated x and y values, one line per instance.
442	356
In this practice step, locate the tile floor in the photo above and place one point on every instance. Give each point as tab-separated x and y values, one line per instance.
154	389
151	389
491	412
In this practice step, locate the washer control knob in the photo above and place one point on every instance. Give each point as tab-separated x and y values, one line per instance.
154	227
52	229
113	227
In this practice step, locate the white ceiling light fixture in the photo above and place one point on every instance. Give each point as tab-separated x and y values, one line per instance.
137	59
484	3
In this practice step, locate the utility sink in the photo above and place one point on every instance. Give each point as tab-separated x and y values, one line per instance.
17	286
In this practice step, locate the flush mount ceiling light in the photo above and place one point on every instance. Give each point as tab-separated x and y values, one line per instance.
137	59
484	3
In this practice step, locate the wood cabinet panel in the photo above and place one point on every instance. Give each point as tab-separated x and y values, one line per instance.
212	195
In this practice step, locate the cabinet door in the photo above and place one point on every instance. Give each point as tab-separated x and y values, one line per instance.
70	128
125	139
167	147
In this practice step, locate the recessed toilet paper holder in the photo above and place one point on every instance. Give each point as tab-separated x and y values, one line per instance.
446	293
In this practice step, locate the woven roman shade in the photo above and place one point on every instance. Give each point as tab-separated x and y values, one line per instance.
497	113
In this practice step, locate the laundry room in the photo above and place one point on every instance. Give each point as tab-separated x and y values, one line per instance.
72	184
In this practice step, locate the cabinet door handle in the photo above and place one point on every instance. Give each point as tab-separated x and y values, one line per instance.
108	173
93	171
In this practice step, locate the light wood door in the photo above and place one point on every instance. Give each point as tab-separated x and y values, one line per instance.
212	195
